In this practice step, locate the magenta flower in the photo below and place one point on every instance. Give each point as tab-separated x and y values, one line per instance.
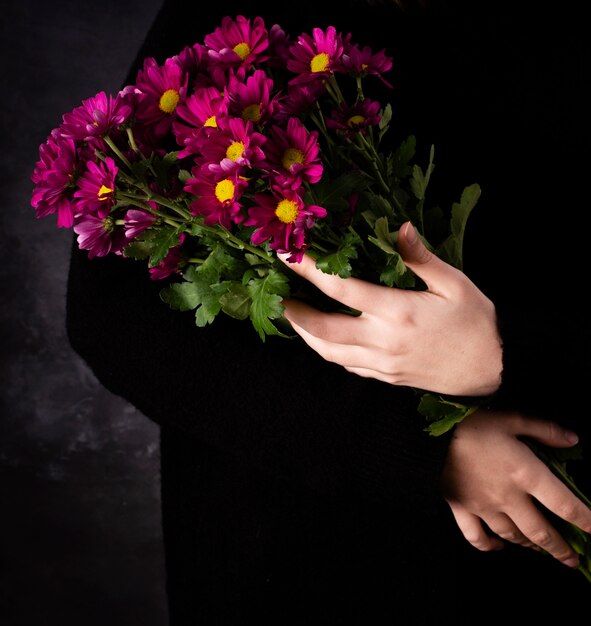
136	221
284	219
355	119
99	235
298	101
237	43
313	58
279	44
253	100
54	176
217	198
164	88
193	60
201	111
96	188
233	149
293	154
172	263
363	62
96	117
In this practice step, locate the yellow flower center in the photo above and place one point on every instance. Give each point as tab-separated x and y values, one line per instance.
235	150
224	190
364	66
103	192
291	156
320	62
211	122
287	211
252	113
168	101
242	50
355	120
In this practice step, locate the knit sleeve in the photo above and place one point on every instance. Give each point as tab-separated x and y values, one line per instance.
274	403
546	360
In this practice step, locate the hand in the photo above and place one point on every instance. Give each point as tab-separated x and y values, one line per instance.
491	476
443	339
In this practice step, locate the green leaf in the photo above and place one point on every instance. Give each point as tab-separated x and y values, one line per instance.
218	264
235	302
384	239
164	239
443	414
334	195
396	273
138	250
385	119
400	160
195	294
182	296
266	295
338	262
451	248
420	180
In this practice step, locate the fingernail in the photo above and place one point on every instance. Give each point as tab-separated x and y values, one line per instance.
571	437
573	561
411	234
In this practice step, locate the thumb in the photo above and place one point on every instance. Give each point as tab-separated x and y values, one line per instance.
438	275
411	248
550	433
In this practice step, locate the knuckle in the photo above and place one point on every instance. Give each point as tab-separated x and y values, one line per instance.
542	537
568	511
510	535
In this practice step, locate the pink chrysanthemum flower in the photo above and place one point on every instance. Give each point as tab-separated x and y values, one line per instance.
54	176
217	198
96	188
279	44
164	88
201	111
355	119
238	44
172	263
136	221
293	154
363	62
253	100
298	101
96	117
313	58
284	219
99	235
236	147
193	60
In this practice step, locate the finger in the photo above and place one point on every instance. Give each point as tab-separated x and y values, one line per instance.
352	292
331	327
503	526
546	432
345	355
537	528
439	276
473	530
557	497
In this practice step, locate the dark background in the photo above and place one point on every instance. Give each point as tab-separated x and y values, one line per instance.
80	537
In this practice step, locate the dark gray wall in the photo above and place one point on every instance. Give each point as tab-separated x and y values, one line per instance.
80	538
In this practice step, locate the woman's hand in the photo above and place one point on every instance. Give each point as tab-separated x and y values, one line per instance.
492	477
443	339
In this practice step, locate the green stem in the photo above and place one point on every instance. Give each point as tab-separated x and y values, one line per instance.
116	150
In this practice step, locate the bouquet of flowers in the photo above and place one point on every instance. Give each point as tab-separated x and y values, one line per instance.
241	147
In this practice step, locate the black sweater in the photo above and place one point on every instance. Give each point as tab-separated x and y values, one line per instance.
294	491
